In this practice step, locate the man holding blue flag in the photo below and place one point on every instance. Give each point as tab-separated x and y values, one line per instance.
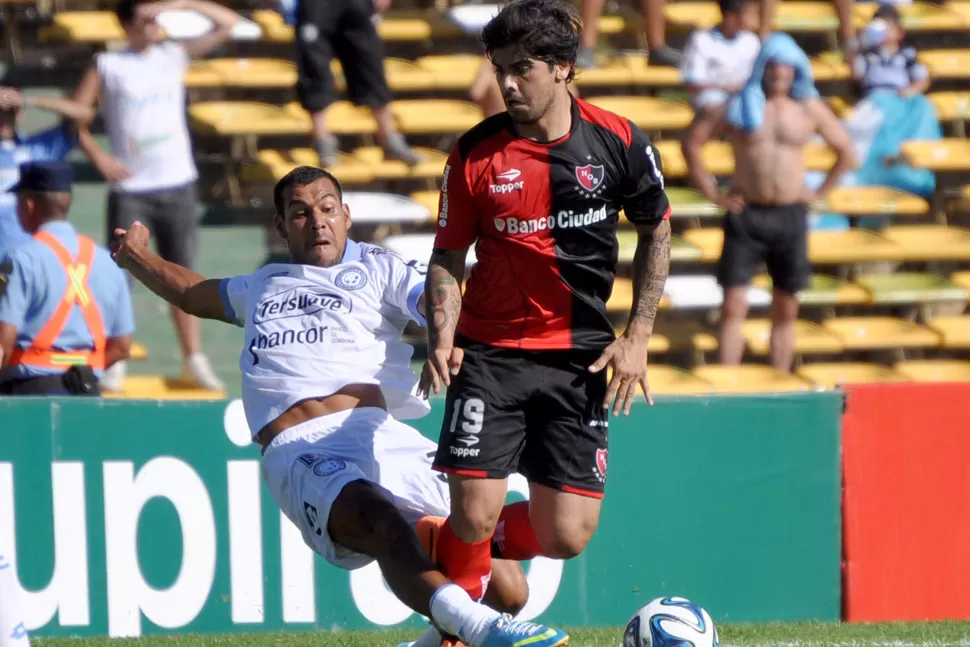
769	122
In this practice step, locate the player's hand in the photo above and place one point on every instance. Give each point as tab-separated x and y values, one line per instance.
11	99
628	357
733	202
127	240
442	363
111	169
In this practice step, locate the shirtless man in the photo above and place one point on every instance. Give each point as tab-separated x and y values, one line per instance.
767	206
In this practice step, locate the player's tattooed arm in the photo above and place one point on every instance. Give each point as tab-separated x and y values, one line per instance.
651	265
442	290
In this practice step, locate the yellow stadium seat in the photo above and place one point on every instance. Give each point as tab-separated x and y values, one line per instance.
622	296
873	201
935	370
405	76
803	16
431	166
201	75
873	333
232	118
954	330
83	27
750	378
718	157
648	113
910	287
680	250
684	16
810	338
962	279
930	242
271	165
451	71
138	352
686	202
829	69
252	72
917	17
710	240
687	336
432	116
343	117
627	70
648	75
155	387
950	154
670	380
851	246
951	106
274	29
428	200
834	374
823	290
818	157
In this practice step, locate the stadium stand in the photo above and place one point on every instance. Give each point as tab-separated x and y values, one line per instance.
887	302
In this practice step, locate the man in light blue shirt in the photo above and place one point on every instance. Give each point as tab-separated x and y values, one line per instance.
65	311
52	144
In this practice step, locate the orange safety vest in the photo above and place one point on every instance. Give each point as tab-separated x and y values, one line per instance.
41	352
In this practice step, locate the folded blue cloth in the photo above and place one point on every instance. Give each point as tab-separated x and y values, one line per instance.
746	110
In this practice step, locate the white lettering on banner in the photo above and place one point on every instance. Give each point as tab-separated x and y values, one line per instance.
129	595
246	542
296	563
562	220
66	595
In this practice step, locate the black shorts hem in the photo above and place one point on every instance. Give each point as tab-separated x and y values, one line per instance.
589	490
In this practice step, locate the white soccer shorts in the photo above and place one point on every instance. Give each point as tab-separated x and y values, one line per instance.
306	467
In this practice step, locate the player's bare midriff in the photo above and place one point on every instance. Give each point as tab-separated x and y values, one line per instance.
352	396
770	162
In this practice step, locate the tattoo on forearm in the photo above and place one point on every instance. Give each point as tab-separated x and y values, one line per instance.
651	265
443	293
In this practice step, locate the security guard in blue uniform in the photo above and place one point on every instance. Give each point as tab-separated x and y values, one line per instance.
65	310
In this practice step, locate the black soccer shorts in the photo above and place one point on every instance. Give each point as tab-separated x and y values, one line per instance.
539	413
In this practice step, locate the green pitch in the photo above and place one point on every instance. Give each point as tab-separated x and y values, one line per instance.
945	634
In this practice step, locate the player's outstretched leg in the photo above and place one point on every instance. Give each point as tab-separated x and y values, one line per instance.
364	519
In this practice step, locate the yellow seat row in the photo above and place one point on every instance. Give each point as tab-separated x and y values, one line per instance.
156	387
752	378
362	166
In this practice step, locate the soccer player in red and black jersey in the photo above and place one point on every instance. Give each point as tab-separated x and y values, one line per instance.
538	190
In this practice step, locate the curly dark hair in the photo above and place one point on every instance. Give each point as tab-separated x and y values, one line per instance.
548	30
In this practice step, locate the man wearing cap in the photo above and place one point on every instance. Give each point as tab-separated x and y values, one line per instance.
16	149
65	313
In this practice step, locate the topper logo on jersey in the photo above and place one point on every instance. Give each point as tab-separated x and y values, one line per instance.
303	300
563	220
509	182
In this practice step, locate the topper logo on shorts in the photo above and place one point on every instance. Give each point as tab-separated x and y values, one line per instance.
563	220
302	300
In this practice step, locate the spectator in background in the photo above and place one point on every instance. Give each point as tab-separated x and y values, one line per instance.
885	64
654	24
150	167
66	313
718	61
345	29
15	149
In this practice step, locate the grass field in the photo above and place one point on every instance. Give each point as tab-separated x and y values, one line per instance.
944	634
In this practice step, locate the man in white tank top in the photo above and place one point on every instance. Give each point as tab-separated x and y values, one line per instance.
325	373
150	167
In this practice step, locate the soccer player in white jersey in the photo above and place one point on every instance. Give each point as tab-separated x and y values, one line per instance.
324	370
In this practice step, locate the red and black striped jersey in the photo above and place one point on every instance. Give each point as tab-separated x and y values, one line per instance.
544	216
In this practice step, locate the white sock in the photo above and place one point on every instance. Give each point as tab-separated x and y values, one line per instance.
12	630
459	615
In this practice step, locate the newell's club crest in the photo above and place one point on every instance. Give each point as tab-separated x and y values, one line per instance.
500	224
600	469
590	177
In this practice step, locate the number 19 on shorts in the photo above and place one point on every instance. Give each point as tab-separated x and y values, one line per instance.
466	424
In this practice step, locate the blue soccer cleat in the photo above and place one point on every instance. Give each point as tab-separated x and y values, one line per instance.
506	632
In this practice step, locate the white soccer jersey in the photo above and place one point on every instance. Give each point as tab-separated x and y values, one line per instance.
310	331
712	58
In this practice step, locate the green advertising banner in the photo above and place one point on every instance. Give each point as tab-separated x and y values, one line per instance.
127	518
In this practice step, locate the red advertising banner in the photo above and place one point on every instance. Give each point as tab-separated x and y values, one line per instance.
906	514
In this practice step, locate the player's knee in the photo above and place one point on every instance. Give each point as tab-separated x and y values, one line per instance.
508	590
566	538
368	521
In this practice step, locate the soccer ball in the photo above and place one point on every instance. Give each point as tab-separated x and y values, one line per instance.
671	622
